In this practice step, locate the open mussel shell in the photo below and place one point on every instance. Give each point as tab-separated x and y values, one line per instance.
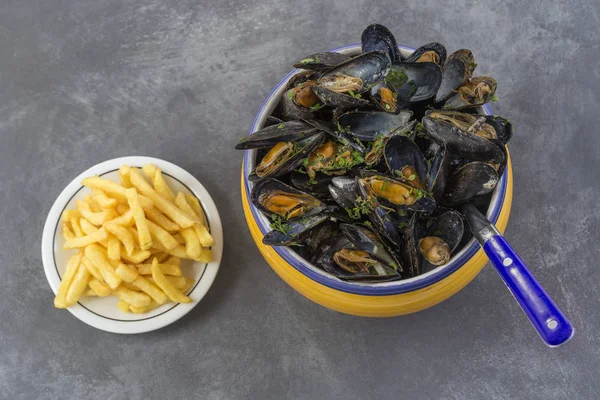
502	127
378	37
343	190
469	180
366	240
272	196
311	243
440	240
365	70
405	160
290	131
366	125
339	250
430	52
284	157
341	100
340	136
395	194
500	167
294	230
374	157
321	61
457	70
462	144
411	260
470	123
271	120
473	93
437	175
318	186
414	82
292	111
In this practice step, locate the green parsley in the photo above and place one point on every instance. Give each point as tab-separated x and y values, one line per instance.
296	244
355	95
396	77
290	94
412	177
494	98
394	265
278	224
307	61
353	213
402	225
315	106
281	126
368	223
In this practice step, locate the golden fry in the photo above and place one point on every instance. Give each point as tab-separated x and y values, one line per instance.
102	199
205	256
114	190
161	186
66	231
163	237
151	290
95	272
128	274
140	219
160	202
78	285
180	282
123	306
76	227
68	214
94	207
60	301
196	207
124	176
192	244
137	256
166	286
161	256
99	288
125	220
96	218
173	261
86	240
86	226
134	235
123	235
90	293
205	238
122	208
143	310
161	220
113	247
179	237
98	257
167	269
150	171
137	299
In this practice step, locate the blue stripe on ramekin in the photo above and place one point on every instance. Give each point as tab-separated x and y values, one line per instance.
381	289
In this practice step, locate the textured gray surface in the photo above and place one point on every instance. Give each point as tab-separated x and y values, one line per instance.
85	81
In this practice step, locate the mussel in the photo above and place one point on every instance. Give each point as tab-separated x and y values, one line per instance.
290	131
470	180
378	37
356	75
430	52
441	239
395	194
473	124
321	61
405	160
274	197
457	70
292	232
473	93
502	127
414	82
367	125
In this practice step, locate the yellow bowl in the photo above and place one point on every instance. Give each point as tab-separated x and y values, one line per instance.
370	300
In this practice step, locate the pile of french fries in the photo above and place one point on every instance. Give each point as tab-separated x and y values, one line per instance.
130	239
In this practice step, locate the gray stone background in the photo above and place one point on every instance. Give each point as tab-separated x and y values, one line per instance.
83	81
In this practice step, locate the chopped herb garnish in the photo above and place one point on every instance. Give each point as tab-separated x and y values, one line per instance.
396	77
296	244
355	95
354	213
307	61
494	98
412	177
394	265
387	106
281	126
312	181
368	223
278	224
315	106
290	94
402	225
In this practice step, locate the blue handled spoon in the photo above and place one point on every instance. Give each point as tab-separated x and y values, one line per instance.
551	324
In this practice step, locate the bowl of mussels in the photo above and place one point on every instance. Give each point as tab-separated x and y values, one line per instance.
356	166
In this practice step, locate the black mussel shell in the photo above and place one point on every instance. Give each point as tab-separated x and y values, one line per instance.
290	131
457	70
462	144
473	93
271	120
469	180
341	100
502	126
395	194
312	243
340	136
500	167
311	204
294	230
370	68
411	260
468	123
414	82
400	152
367	125
305	147
343	191
300	78
439	170
317	187
430	52
321	61
366	240
450	228
378	37
293	111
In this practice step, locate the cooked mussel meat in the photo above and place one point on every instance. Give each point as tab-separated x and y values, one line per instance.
430	52
473	93
275	197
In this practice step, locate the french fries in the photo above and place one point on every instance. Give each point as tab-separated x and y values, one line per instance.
117	230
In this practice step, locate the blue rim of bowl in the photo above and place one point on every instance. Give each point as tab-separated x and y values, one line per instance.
370	289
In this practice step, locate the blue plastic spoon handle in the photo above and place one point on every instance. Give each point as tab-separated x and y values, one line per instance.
552	325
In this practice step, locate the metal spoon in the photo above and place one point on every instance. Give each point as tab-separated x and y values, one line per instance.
549	321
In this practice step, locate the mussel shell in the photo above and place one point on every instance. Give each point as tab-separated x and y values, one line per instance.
500	167
292	111
502	126
414	82
462	144
378	37
297	229
400	151
370	67
449	227
270	184
341	100
439	170
342	137
367	125
313	242
307	145
436	47
468	123
423	203
458	68
366	240
321	61
300	78
460	99
343	191
325	260
411	260
271	120
317	187
290	131
472	179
